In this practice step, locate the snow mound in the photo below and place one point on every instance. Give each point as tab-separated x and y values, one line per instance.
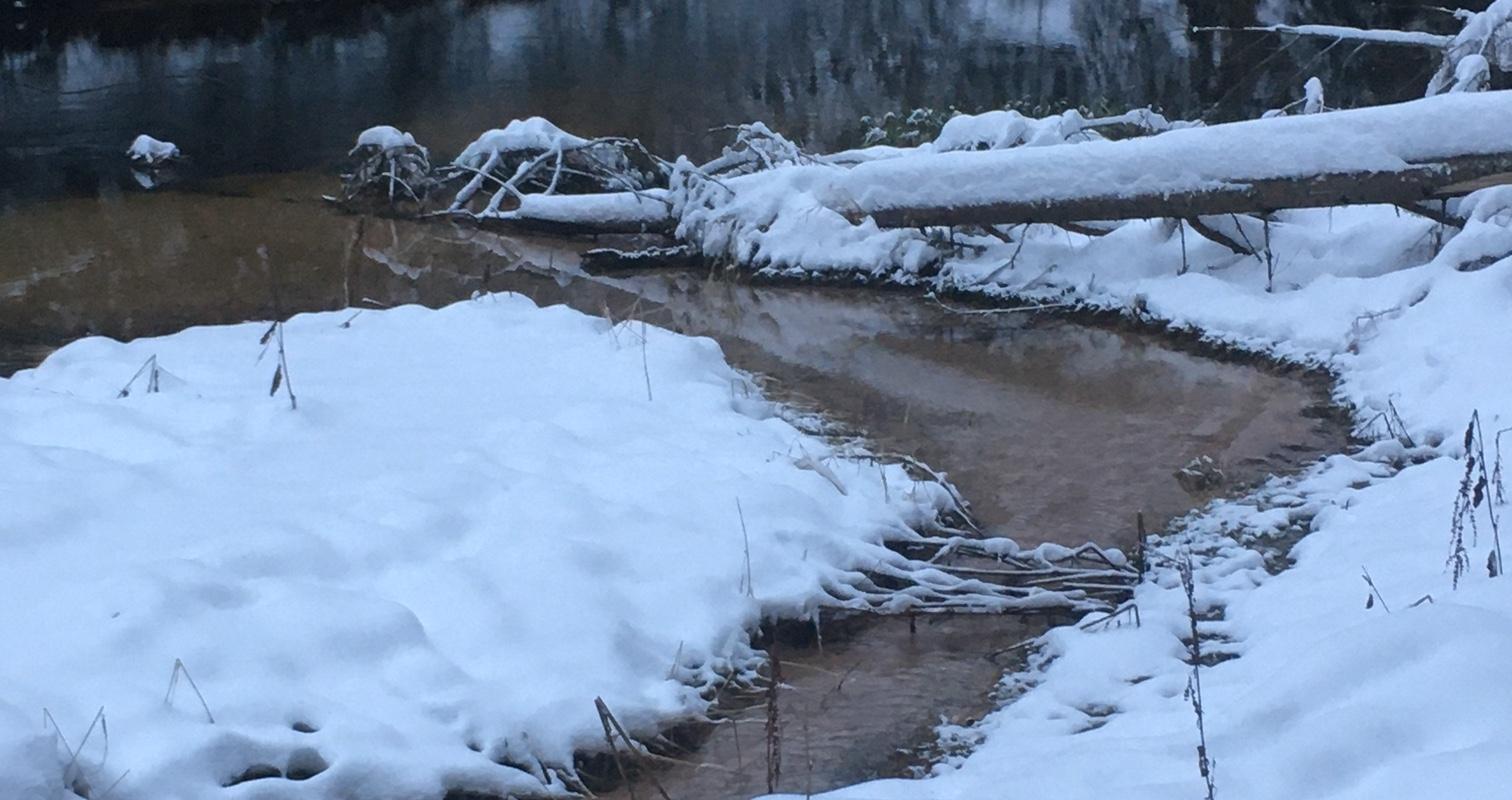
479	519
149	151
999	130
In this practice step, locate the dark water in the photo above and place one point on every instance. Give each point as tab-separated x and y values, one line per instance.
246	86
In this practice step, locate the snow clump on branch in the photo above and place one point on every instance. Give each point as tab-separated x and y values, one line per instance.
1486	36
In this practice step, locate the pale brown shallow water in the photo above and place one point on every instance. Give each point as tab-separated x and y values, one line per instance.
864	706
1054	431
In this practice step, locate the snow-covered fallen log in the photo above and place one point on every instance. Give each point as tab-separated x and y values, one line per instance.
1437	147
619	212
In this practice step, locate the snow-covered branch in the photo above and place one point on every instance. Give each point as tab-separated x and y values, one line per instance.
1345	33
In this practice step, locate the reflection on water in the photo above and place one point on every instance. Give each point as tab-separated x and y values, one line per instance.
1054	431
257	87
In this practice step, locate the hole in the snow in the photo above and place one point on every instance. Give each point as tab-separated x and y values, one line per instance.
305	763
304	727
256	772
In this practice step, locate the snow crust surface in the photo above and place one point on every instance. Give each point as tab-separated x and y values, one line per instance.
476	522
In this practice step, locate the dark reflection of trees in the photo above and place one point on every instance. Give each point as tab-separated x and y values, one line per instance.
255	86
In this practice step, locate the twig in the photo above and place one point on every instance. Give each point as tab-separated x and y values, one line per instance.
1375	594
774	724
179	668
608	718
1194	686
150	366
645	363
603	712
750	589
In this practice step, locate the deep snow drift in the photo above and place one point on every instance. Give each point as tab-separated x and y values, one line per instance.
478	519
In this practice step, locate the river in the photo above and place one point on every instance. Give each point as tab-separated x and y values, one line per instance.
1055	431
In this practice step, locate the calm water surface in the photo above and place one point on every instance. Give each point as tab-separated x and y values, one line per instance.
247	86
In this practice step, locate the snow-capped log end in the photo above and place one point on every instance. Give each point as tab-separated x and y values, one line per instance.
150	152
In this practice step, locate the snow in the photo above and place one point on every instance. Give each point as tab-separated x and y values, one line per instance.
997	130
1485	35
385	138
460	540
619	210
1326	698
479	519
1313	97
1471	74
532	134
786	219
147	150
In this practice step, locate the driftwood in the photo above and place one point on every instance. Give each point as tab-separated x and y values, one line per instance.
1408	187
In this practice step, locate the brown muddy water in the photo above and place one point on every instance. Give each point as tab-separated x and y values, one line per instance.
1054	431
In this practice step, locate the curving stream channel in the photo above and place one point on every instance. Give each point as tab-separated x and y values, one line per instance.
1053	430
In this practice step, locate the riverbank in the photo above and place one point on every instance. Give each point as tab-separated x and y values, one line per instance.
1316	682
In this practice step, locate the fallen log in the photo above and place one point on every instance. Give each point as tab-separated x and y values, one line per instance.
582	214
1408	187
1429	149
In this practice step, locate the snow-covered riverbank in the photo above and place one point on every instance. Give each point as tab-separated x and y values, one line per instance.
1329	697
478	520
